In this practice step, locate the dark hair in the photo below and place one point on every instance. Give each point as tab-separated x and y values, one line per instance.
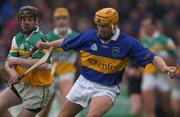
152	19
29	11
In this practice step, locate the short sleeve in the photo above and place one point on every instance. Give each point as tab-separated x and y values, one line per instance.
171	48
141	55
14	51
74	43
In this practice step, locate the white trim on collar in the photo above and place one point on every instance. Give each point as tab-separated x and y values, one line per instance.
114	37
55	31
37	29
69	31
156	34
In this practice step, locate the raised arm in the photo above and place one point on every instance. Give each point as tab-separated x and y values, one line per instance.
46	45
143	56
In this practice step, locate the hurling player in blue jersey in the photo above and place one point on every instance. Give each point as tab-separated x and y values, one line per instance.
104	55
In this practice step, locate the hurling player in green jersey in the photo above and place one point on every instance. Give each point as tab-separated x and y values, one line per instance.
63	63
153	79
36	88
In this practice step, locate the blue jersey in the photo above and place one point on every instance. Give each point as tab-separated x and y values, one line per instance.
105	63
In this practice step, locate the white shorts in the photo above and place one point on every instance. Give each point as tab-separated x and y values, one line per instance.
175	94
84	90
159	81
34	96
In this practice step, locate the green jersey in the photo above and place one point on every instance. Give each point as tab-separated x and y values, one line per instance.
22	45
65	60
162	46
52	36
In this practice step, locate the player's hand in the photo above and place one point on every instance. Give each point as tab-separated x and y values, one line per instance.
14	77
42	45
171	71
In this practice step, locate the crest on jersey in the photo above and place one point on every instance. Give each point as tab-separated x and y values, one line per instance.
21	46
94	47
115	51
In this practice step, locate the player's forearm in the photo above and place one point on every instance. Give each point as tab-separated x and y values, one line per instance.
47	45
29	62
26	62
56	44
159	63
21	61
170	60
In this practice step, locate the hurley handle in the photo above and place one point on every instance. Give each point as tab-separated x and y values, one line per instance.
21	76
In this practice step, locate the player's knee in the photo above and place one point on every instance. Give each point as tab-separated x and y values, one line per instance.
64	113
150	109
2	107
136	111
94	114
44	112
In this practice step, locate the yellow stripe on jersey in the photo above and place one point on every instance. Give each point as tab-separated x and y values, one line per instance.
14	50
160	47
150	69
36	78
23	52
102	64
61	50
65	68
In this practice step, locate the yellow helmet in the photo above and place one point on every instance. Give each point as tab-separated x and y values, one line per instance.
107	16
61	12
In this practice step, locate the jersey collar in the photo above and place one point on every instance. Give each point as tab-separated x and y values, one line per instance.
154	35
37	29
69	31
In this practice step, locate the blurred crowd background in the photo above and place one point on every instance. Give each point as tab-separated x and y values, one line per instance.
131	13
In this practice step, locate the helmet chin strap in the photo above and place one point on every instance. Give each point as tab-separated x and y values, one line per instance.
114	28
113	31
